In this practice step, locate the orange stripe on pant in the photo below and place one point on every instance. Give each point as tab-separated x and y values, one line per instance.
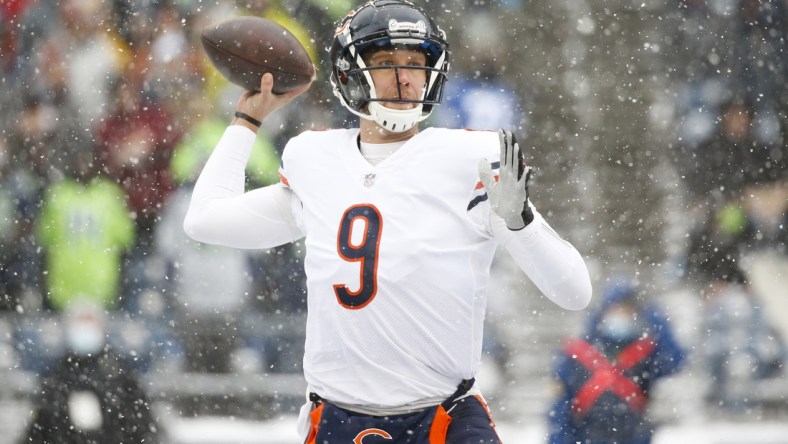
439	427
314	417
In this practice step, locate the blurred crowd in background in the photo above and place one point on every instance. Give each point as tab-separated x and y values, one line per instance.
109	109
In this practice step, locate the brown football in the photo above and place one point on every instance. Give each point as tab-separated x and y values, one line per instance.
244	48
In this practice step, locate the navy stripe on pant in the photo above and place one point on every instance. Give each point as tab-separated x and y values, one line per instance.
471	423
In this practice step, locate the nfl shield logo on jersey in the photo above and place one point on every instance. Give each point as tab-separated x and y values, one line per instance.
369	179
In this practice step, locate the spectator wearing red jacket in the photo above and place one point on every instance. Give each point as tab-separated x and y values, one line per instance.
136	141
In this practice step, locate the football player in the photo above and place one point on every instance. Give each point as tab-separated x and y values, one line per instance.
400	227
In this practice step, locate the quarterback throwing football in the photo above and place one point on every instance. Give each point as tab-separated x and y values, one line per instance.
400	227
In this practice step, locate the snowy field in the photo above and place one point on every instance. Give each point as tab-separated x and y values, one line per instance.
282	431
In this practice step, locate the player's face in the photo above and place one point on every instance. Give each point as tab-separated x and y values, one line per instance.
404	83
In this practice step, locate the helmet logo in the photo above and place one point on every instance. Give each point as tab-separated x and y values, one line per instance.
419	27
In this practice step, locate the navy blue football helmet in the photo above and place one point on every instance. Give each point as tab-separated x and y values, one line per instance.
382	24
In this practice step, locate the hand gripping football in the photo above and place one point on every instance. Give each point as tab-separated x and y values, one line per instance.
244	48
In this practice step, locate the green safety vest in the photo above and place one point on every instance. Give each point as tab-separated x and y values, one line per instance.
84	229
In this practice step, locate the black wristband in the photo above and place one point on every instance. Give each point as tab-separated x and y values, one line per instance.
248	118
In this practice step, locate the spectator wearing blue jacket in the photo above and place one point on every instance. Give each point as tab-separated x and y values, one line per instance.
607	374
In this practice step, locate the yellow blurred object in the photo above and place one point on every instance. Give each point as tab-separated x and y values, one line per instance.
279	15
731	219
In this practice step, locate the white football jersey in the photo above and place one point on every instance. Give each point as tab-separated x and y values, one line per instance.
397	261
397	255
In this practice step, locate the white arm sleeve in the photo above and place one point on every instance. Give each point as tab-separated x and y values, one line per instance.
552	264
221	213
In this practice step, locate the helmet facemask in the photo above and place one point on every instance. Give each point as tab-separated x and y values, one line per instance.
387	25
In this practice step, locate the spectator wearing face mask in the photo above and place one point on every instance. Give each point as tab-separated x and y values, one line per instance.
607	374
90	395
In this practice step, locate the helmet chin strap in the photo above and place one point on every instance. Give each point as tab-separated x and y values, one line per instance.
395	120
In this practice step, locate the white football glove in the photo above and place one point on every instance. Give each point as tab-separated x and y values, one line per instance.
509	196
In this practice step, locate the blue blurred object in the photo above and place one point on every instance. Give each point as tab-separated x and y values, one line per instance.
607	374
40	342
483	103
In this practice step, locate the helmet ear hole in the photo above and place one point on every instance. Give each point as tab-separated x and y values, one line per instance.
342	77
